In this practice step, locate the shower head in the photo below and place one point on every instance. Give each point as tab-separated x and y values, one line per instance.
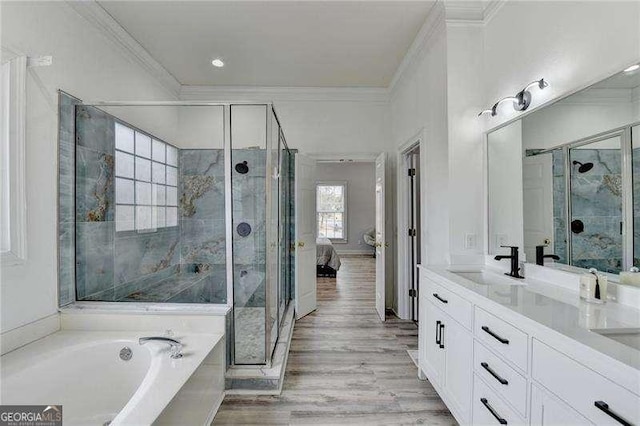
584	167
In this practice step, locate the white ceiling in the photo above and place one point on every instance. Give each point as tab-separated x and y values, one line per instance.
275	43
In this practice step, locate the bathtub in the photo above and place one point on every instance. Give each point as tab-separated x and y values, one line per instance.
83	371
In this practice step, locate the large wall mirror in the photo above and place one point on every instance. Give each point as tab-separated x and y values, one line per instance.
567	178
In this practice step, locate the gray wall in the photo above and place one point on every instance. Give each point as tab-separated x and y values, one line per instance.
360	178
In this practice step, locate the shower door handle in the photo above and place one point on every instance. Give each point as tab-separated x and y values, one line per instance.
300	244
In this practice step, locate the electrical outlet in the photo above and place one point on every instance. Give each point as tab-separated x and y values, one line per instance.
470	241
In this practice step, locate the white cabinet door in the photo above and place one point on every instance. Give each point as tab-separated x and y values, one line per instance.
546	409
458	376
432	357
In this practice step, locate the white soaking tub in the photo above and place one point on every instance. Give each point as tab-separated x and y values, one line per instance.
83	371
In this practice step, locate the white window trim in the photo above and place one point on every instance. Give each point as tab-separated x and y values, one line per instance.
14	130
345	227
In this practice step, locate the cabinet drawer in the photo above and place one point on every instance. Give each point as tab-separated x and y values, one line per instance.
455	306
502	337
500	376
490	409
589	393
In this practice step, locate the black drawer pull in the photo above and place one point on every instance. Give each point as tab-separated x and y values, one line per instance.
605	407
437	296
494	335
494	374
438	332
492	411
442	336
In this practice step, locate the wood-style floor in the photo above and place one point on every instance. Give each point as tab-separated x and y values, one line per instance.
345	365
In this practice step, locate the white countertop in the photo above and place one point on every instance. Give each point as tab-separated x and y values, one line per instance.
557	308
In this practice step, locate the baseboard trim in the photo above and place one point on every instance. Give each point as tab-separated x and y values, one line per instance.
28	333
214	410
354	252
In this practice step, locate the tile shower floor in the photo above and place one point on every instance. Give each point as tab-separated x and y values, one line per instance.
249	330
345	366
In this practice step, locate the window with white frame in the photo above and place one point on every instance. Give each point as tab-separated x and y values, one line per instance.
12	161
331	210
146	172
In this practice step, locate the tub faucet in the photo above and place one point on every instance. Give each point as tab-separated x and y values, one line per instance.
515	262
176	346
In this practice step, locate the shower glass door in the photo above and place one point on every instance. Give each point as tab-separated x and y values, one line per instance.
596	225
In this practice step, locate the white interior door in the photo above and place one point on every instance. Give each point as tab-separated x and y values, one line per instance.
305	241
538	204
381	243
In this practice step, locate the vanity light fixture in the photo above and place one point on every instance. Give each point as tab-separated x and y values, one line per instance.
633	68
218	63
520	101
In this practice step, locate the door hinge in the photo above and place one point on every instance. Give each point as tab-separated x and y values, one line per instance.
413	292
412	172
412	232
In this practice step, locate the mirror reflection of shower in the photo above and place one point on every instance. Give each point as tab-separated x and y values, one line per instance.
583	167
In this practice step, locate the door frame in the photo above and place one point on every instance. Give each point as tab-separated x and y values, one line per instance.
370	157
416	141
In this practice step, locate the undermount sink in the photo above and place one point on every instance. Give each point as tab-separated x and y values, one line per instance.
485	277
627	336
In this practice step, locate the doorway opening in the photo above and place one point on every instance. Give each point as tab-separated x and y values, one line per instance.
345	213
349	223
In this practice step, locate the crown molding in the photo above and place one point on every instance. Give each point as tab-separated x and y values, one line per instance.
471	12
435	17
344	158
290	94
112	30
491	9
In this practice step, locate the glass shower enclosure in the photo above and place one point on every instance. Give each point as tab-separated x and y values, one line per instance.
596	188
178	203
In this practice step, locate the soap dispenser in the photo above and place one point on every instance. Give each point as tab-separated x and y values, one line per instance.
631	277
593	287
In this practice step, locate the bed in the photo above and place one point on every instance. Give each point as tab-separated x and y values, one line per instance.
328	261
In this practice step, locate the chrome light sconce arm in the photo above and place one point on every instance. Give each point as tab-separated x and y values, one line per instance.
521	101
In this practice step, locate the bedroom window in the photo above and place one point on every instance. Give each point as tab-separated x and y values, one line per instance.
331	210
146	181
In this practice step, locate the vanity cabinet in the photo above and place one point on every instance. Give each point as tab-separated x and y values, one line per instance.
491	367
546	409
448	354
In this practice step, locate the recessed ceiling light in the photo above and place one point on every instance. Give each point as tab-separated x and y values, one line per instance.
632	68
218	63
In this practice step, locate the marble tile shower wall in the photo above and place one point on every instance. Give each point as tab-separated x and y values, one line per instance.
182	264
202	218
111	266
249	207
596	202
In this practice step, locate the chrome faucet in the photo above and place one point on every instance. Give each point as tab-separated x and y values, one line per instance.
176	346
515	262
